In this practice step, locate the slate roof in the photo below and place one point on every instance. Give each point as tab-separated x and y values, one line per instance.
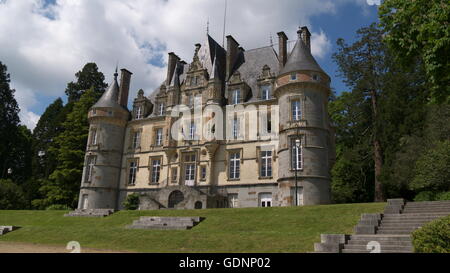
251	62
110	97
300	58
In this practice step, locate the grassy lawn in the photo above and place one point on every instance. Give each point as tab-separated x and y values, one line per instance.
281	229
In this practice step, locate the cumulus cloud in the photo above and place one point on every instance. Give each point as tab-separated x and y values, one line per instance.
44	42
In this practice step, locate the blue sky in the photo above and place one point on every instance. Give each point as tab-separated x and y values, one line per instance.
54	38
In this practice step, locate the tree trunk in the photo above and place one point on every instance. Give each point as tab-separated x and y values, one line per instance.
377	151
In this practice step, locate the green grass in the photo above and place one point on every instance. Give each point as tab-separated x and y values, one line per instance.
281	229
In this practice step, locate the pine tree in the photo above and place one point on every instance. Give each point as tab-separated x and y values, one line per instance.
9	121
88	77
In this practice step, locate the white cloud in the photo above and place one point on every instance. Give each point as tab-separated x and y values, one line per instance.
44	47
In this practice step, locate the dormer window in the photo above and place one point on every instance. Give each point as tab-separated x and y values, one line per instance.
265	92
139	112
236	96
316	77
161	109
293	76
194	81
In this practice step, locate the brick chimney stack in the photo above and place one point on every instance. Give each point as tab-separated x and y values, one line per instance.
124	89
305	35
172	63
232	53
282	48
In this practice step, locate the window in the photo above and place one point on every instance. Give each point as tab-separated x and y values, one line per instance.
136	140
266	163
159	137
203	173
84	201
90	168
236	96
139	111
194	81
233	200
235	128
174	175
192	130
265	92
189	178
94	137
296	111
156	170
316	77
296	151
265	199
132	170
293	76
191	101
161	109
235	161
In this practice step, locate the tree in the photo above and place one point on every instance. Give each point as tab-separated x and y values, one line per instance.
89	77
420	28
9	121
62	187
11	196
362	64
432	169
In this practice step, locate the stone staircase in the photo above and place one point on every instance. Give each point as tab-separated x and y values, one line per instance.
165	223
90	213
389	232
6	229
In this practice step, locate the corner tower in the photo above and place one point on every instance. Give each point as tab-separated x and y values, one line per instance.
306	139
101	172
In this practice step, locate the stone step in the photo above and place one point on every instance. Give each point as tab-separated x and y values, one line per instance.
427	206
394	226
447	202
157	227
395	232
152	218
382	247
382	243
413	216
408	222
381	237
393	229
165	224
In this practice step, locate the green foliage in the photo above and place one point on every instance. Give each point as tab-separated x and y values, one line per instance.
432	169
131	202
11	196
88	78
425	196
420	29
443	196
58	207
433	237
62	187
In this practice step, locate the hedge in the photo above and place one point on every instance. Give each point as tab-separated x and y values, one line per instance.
433	237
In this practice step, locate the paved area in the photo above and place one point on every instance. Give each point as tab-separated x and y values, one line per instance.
8	247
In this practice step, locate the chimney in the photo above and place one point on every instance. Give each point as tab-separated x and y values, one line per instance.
172	63
305	35
282	48
232	52
125	79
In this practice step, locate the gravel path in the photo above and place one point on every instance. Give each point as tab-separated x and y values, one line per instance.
8	247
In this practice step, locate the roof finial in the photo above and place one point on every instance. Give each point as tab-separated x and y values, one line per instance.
207	27
271	40
115	73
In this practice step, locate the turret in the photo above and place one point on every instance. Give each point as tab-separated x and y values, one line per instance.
305	139
101	172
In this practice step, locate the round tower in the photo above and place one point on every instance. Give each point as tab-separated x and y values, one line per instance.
101	172
305	135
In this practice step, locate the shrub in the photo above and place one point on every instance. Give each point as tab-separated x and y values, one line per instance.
58	207
425	196
131	202
11	196
433	237
443	196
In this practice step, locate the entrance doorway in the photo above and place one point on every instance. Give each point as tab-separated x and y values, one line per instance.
175	197
265	200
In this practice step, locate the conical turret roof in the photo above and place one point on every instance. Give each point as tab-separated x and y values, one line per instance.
301	59
110	97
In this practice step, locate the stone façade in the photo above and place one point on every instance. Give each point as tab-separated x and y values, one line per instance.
133	151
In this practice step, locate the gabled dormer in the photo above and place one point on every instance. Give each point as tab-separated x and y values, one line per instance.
142	106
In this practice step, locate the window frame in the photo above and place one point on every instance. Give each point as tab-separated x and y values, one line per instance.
90	164
132	172
266	167
296	112
155	175
234	170
297	163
